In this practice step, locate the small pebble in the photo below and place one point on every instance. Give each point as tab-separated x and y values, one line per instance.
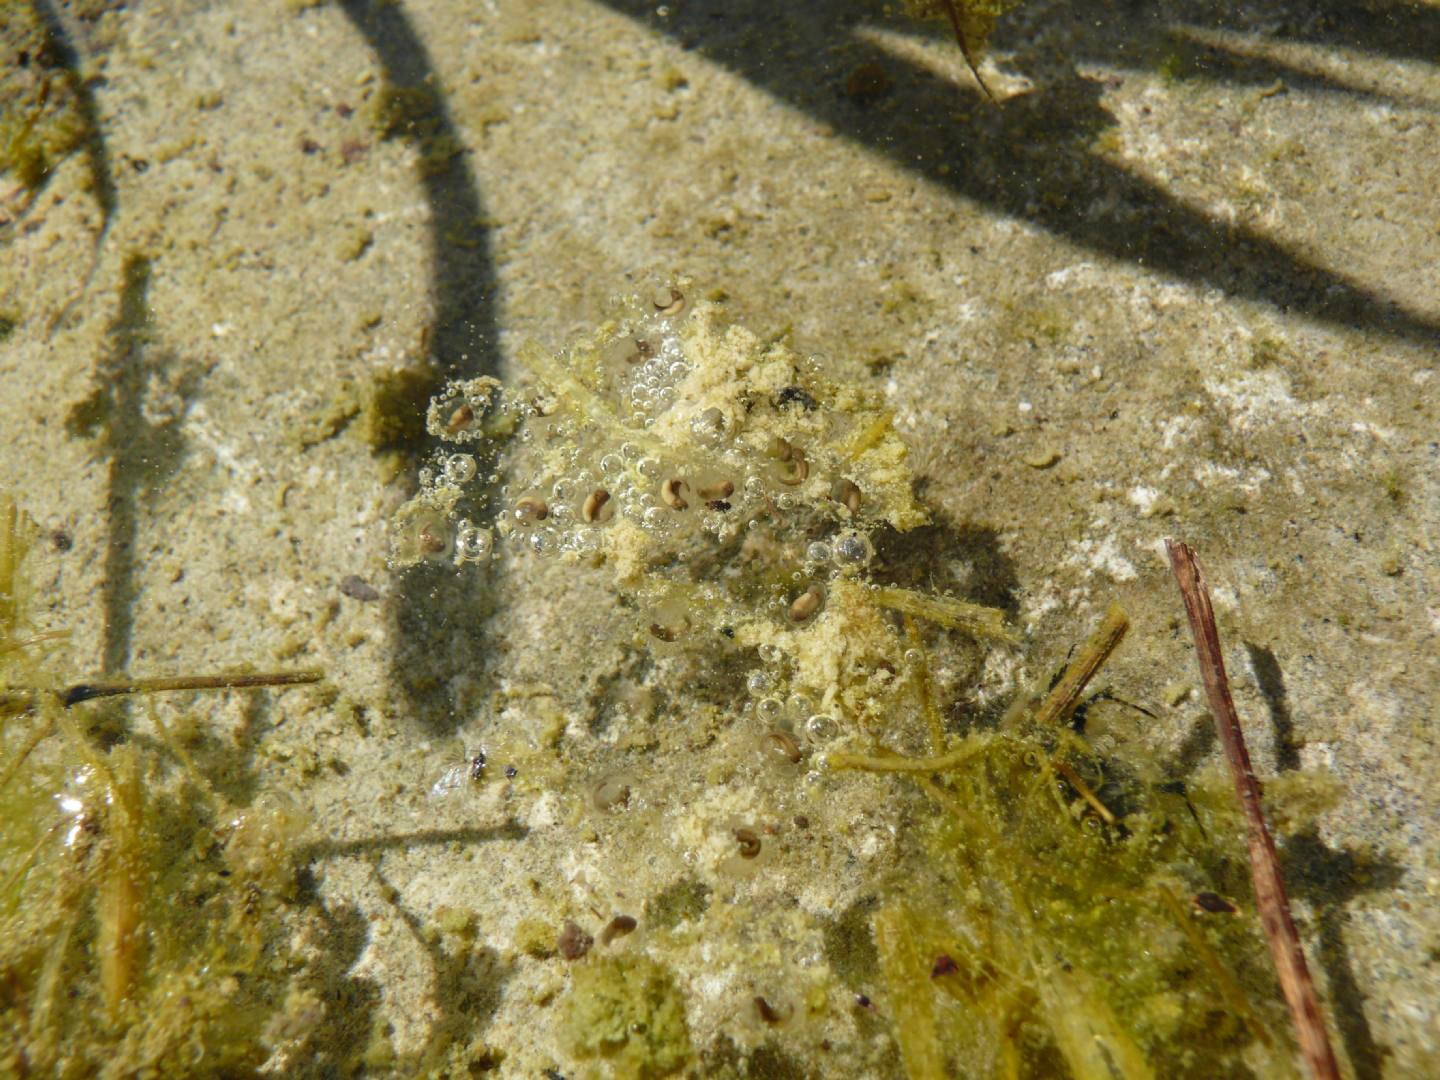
573	942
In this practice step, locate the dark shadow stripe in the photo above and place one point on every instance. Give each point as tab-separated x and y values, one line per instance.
1029	159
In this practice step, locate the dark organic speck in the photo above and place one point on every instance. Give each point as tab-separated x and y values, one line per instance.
355	587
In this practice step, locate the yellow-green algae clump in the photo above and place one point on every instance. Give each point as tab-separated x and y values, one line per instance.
146	920
1064	906
625	1014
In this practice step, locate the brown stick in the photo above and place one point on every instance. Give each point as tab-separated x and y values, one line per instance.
73	695
1065	695
964	43
1270	896
26	699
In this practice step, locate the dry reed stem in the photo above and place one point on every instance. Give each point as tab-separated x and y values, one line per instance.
1060	702
1270	898
89	691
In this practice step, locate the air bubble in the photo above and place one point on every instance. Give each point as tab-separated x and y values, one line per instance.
818	552
611	465
709	426
459	468
853	549
822	727
758	682
473	544
769	708
755	486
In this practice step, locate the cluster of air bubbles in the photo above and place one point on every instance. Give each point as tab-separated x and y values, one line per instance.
709	427
780	707
796	712
652	386
626	448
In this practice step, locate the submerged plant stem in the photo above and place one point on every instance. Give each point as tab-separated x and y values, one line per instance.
985	623
1270	896
940	763
26	699
1064	696
89	691
921	674
1086	791
1231	990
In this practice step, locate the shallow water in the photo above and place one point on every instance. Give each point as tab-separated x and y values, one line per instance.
1179	281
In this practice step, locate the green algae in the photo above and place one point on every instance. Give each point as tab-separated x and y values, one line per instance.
394	408
1044	934
144	920
973	21
1054	908
685	900
626	1015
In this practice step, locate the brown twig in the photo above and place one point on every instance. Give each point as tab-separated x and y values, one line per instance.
243	681
1270	896
963	40
1064	696
25	699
